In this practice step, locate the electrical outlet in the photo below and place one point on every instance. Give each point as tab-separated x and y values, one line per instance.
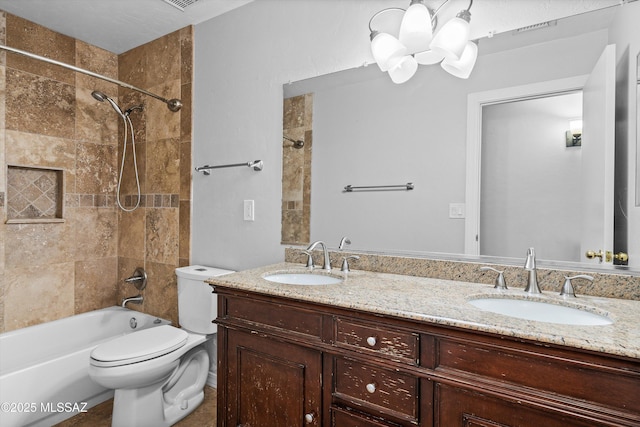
249	212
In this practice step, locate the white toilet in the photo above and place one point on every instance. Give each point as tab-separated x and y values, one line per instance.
159	374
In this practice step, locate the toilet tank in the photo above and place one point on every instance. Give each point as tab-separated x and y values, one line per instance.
197	305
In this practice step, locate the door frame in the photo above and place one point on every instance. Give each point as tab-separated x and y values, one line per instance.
475	102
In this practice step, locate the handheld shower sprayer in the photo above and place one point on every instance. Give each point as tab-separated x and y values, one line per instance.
128	127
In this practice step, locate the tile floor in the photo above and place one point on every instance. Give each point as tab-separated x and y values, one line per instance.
100	416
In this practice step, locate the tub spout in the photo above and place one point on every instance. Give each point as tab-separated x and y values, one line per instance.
138	299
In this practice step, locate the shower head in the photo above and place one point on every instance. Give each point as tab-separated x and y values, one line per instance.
100	96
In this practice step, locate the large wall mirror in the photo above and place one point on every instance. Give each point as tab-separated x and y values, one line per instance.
368	131
638	130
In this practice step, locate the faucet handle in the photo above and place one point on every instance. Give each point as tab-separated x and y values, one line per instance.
345	262
309	255
500	283
567	287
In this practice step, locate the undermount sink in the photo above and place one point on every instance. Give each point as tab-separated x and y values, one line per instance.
303	278
540	311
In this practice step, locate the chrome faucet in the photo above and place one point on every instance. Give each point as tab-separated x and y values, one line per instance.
530	266
327	262
138	299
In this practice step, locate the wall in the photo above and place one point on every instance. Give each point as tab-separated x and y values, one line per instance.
157	236
49	119
298	40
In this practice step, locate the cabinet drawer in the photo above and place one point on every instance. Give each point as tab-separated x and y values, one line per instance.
342	418
384	341
273	315
379	389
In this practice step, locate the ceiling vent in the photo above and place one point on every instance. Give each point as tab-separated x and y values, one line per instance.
533	27
180	4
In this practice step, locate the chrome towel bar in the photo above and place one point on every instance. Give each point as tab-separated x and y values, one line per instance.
408	186
257	165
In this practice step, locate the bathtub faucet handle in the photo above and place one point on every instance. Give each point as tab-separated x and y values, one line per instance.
139	279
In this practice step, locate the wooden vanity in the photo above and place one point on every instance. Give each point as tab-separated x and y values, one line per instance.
288	359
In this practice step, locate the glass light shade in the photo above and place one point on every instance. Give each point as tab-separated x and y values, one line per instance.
386	49
416	31
403	70
462	68
428	57
452	38
575	126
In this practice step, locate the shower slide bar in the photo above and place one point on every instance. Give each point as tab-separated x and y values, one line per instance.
256	165
173	104
408	186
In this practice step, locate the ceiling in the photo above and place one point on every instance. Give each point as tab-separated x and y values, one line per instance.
121	25
116	25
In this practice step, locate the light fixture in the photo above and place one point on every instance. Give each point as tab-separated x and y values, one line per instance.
574	134
416	43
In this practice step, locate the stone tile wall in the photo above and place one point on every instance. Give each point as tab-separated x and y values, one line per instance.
296	169
49	119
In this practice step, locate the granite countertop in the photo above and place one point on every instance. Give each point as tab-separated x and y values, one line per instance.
445	302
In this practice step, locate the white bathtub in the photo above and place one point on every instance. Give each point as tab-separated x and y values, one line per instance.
44	368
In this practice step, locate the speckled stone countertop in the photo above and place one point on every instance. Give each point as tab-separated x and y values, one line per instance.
445	302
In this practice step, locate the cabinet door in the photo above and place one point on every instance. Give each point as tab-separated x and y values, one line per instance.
271	383
456	407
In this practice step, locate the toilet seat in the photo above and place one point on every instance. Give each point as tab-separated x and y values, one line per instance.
139	347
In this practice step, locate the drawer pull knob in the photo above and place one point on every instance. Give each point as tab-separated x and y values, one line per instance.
308	418
371	388
372	341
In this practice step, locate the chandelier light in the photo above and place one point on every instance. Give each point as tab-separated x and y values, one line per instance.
416	43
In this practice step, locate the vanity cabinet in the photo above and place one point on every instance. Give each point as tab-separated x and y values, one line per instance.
284	362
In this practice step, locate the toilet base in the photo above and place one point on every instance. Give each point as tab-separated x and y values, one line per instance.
168	401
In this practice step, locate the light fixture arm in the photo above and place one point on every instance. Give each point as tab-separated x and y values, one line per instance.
381	12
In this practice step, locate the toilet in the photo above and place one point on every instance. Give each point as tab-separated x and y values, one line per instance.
159	374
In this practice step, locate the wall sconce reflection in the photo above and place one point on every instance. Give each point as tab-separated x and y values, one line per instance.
574	134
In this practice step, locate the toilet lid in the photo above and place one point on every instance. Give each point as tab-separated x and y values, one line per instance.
139	346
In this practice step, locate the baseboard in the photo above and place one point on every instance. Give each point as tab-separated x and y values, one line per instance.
212	379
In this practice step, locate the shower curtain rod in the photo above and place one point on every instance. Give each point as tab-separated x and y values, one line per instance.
173	104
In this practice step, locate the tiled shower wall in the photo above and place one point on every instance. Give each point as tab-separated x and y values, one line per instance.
48	119
297	124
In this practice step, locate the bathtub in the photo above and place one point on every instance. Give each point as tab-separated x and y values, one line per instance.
44	368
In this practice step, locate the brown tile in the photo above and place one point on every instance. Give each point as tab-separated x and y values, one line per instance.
186	170
96	232
186	119
294	112
99	61
39	105
161	294
38	293
39	150
131	234
163	123
163	166
32	245
186	54
96	168
185	229
95	284
132	66
163	59
128	185
34	38
96	121
161	235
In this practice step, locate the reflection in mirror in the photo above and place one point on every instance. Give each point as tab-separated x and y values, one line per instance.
368	131
638	130
531	178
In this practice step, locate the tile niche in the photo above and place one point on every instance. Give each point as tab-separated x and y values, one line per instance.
34	194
